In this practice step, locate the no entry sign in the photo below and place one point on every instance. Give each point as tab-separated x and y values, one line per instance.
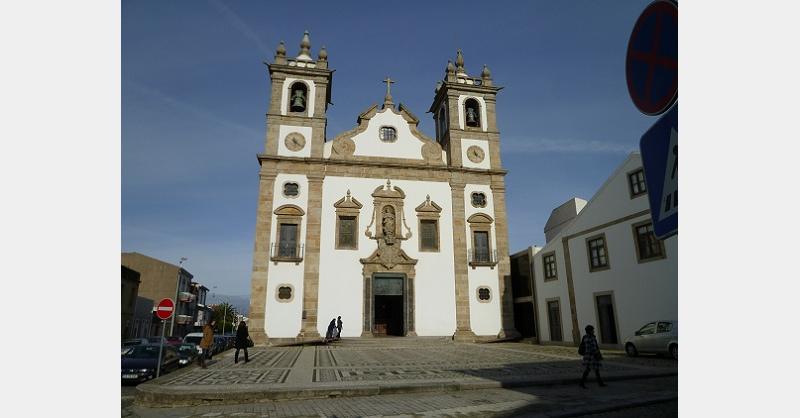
165	308
651	67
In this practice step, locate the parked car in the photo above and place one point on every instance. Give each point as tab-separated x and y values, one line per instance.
657	337
139	362
158	340
230	340
188	353
220	344
195	338
134	341
174	340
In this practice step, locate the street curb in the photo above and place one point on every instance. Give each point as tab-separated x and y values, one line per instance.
156	396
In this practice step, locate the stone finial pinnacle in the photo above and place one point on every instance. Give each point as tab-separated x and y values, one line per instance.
323	54
486	73
450	67
460	61
305	47
280	54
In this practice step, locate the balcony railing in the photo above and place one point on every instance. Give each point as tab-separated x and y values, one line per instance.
183	319
280	252
186	297
482	257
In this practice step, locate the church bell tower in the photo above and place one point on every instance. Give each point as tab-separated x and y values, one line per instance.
301	92
464	114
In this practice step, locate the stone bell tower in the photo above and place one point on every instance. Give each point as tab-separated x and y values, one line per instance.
296	119
464	114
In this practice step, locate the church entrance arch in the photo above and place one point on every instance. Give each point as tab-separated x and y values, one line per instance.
388	305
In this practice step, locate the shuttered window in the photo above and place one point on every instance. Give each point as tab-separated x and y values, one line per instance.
347	231
429	235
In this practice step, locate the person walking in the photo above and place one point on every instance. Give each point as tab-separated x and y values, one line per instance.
592	358
339	327
242	342
331	327
205	343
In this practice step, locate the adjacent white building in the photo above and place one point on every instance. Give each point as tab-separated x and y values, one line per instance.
601	266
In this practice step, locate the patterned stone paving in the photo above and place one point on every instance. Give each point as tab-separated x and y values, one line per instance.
266	366
442	362
401	360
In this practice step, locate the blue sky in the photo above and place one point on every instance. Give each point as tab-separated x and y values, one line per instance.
195	91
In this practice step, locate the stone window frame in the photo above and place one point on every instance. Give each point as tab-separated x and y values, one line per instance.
283	189
347	206
630	177
481	222
639	258
589	241
288	214
394	134
429	211
307	87
554	277
472	199
277	293
478	110
478	294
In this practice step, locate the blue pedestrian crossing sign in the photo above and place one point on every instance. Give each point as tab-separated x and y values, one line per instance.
659	148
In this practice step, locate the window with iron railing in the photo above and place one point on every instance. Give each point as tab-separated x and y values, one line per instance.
482	257
284	252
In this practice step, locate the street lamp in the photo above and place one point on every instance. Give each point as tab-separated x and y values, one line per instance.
177	289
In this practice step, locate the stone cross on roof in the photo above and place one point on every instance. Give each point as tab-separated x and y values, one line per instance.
387	101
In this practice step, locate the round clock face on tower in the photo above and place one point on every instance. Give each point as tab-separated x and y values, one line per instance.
295	141
475	154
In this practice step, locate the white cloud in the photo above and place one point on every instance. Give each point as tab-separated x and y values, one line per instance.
240	25
547	145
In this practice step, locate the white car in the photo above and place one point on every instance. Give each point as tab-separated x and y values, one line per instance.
657	337
195	338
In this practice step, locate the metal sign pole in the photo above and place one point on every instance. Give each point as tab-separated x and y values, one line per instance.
160	347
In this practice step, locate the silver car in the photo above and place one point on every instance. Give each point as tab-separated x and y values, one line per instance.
657	337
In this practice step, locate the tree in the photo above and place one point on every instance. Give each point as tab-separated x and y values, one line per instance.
225	315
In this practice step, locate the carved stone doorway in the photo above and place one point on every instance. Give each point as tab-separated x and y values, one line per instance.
388	305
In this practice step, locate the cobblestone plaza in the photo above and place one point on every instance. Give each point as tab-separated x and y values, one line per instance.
379	366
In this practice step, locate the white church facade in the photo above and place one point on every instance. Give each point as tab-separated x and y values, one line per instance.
396	232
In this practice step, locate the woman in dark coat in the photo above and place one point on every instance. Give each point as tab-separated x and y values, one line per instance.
329	333
592	357
242	341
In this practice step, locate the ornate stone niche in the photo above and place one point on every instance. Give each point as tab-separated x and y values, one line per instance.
389	222
388	227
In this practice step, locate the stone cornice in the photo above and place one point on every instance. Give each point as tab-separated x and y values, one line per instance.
380	163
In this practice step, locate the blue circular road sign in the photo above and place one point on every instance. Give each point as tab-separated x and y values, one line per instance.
651	67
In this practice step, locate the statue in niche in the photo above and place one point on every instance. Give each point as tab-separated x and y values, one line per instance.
298	100
388	225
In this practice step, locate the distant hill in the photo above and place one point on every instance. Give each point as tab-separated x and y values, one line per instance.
241	303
